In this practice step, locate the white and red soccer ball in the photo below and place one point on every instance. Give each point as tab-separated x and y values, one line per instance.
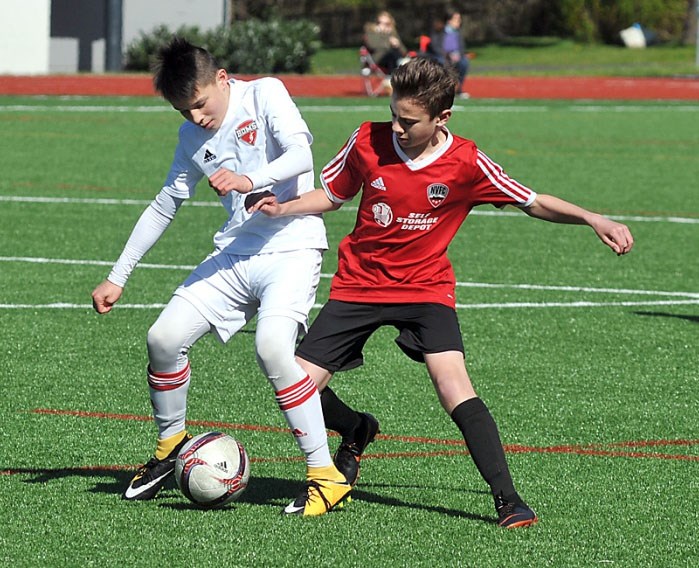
212	469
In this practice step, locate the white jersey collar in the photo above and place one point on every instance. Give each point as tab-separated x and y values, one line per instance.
424	162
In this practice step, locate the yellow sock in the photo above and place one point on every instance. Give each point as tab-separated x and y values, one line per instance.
166	445
326	472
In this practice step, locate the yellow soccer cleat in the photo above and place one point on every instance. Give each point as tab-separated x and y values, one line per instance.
326	489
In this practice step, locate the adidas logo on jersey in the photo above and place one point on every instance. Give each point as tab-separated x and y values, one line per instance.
378	184
208	157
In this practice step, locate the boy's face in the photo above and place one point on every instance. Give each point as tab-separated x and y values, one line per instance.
412	125
208	107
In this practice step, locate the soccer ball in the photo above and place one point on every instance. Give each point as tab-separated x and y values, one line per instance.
212	469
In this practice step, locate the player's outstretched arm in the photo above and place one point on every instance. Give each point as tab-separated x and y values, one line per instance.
616	236
105	296
315	201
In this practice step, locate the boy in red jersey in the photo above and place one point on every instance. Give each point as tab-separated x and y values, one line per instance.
418	183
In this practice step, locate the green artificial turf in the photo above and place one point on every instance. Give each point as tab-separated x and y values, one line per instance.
587	361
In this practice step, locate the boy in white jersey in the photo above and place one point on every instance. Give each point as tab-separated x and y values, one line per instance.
418	184
245	137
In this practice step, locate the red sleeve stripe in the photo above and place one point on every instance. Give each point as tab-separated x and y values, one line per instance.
296	394
169	381
337	164
502	181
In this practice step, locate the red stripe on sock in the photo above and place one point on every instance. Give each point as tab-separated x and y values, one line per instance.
169	381
296	394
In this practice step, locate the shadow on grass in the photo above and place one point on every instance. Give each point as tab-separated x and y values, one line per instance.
278	492
269	491
694	319
120	477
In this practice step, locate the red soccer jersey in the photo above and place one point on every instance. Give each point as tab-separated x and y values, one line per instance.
408	214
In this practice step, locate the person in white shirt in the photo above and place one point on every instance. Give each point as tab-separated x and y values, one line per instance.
249	139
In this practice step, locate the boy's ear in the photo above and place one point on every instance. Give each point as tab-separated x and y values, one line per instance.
221	76
443	117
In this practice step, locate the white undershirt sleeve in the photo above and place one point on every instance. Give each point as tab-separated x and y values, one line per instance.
148	229
296	159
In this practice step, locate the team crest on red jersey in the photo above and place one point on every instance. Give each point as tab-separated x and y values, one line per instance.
247	132
436	193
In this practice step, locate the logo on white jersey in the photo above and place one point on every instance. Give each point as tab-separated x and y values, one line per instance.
382	214
247	132
378	184
436	193
209	156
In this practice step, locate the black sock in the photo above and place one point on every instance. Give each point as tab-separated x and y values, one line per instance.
483	441
338	416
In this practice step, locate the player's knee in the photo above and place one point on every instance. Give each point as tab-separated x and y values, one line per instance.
163	345
275	354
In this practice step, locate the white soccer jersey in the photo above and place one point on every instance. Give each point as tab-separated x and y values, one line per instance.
260	123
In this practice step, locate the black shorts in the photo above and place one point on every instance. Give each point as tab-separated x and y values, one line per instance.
338	335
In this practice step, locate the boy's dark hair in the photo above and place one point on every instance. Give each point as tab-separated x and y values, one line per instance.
427	82
180	68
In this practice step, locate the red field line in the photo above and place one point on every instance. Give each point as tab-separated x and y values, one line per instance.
592	88
578	450
597	450
139	418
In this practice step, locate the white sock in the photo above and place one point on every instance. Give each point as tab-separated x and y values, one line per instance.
300	404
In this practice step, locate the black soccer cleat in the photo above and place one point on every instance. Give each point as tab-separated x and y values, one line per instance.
348	455
513	514
151	476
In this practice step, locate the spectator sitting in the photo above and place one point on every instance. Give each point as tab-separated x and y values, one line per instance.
383	42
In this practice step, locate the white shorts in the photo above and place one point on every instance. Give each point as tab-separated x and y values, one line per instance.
229	289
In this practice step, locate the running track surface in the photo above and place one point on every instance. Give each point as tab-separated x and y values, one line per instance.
593	88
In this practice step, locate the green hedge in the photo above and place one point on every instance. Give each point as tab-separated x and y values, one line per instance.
252	46
602	20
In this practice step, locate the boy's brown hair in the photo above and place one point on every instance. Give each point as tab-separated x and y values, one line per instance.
180	68
427	82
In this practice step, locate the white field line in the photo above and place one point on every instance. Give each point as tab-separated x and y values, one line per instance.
67	306
506	305
40	260
347	208
684	298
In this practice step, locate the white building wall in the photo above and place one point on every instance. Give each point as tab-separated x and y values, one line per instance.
63	55
24	36
25	29
140	16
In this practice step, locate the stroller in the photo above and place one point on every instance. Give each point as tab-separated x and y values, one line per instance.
375	79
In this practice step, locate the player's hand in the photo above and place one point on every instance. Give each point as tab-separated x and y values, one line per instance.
253	198
267	203
615	235
224	181
105	296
